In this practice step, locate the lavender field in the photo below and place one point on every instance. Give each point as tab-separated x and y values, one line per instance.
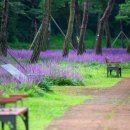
89	56
55	66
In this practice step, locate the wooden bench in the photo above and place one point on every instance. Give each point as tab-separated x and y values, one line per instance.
113	66
11	99
9	116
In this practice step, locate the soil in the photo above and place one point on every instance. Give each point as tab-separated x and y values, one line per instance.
108	110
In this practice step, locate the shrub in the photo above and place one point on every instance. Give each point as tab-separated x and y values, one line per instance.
60	81
45	84
32	90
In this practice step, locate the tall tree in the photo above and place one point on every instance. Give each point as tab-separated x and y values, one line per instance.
81	45
34	21
77	16
102	21
128	49
70	29
75	37
41	37
3	35
107	32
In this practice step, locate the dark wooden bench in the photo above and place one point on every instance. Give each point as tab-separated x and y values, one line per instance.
113	66
9	116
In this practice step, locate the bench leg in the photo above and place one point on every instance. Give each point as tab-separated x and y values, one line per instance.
110	72
2	123
26	120
117	73
13	122
107	72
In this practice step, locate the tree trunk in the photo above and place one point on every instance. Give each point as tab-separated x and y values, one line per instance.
34	29
107	31
77	16
34	23
74	36
40	40
48	36
74	40
70	29
99	16
77	25
81	45
3	36
128	49
101	26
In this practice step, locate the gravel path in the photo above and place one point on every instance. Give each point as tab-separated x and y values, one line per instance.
109	110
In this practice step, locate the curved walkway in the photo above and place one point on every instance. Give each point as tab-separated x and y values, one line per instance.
109	110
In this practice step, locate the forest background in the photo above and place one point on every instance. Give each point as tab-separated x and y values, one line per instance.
25	18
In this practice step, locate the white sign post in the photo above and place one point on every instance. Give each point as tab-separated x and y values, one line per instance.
15	72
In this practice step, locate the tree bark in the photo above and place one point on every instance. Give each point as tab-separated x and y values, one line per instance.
99	16
101	26
40	40
128	49
70	29
107	32
81	45
74	36
34	23
77	16
48	36
74	41
3	36
77	25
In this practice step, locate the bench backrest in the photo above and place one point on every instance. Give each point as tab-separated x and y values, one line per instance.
107	60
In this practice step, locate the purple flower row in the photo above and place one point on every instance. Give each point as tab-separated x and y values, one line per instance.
113	54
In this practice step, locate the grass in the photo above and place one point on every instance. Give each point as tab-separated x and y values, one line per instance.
42	110
95	74
96	77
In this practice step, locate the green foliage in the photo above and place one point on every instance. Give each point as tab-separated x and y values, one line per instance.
124	13
59	81
19	45
23	13
45	84
32	90
58	40
66	82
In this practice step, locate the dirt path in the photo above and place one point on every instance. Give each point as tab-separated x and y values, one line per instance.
109	110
